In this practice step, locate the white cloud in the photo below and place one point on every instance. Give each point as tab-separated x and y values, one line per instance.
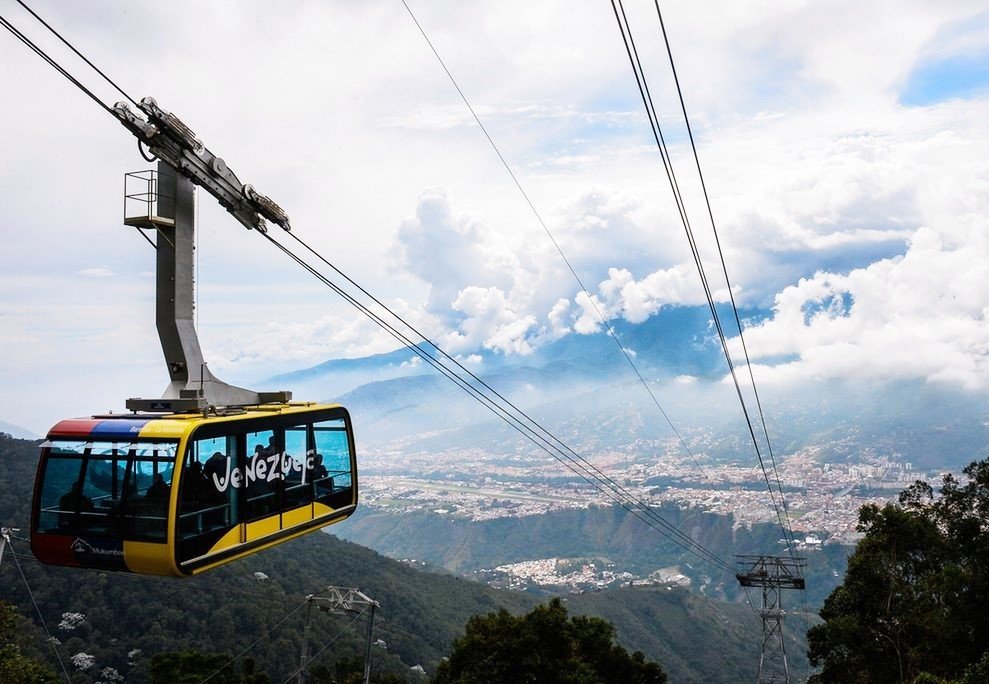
812	164
300	344
96	272
490	322
922	315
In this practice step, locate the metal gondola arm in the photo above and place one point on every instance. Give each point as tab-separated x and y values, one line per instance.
183	163
173	142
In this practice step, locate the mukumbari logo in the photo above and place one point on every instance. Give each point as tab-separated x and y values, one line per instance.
84	548
81	546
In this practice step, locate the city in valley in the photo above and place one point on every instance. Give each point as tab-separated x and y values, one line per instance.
822	498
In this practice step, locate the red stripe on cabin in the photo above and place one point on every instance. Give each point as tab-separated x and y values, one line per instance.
74	427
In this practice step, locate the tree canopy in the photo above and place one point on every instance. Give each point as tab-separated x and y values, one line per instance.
16	667
543	646
915	599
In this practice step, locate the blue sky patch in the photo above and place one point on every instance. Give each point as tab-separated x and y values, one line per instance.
837	305
956	77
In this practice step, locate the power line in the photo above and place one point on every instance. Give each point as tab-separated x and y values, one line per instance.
71	47
509	412
559	249
512	414
647	101
27	585
724	267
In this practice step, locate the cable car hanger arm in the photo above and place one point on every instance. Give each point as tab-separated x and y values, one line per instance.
169	139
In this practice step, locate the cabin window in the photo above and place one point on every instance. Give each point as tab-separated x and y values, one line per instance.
331	466
297	489
210	482
260	475
108	489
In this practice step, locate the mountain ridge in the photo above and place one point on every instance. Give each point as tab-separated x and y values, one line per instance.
128	618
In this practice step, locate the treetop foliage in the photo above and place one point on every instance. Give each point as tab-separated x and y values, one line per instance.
914	605
15	667
543	646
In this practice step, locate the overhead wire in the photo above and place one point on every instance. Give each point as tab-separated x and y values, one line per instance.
724	266
513	415
510	413
329	643
41	617
72	47
267	632
52	63
643	87
188	583
556	244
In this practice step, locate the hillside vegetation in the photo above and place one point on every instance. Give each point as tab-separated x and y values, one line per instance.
464	547
914	605
122	620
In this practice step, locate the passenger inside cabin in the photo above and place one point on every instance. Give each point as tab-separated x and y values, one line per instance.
71	504
258	488
158	491
74	500
215	470
318	469
129	491
195	486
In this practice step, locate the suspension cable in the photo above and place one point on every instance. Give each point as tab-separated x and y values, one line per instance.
71	47
44	624
267	632
515	417
724	267
556	442
646	96
556	244
329	643
52	63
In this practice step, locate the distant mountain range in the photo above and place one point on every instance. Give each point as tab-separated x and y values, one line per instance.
17	431
676	341
585	383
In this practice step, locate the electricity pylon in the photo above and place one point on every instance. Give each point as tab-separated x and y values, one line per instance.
772	574
339	600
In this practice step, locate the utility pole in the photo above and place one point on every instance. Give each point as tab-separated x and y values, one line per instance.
339	600
5	533
772	574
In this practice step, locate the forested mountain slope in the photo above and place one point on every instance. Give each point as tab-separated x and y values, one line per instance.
126	618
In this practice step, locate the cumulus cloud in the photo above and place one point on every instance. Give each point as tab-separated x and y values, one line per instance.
844	210
513	294
872	265
922	315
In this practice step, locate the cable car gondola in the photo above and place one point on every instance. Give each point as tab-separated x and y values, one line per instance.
209	472
179	494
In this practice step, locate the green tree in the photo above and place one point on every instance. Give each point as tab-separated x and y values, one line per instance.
350	671
15	667
192	667
915	597
543	646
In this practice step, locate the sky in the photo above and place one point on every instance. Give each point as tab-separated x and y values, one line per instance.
845	148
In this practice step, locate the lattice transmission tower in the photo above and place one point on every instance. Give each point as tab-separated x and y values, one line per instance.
772	574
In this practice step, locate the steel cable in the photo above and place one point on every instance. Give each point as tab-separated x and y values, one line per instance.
646	96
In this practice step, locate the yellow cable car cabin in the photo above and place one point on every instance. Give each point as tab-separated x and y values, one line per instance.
178	494
208	472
